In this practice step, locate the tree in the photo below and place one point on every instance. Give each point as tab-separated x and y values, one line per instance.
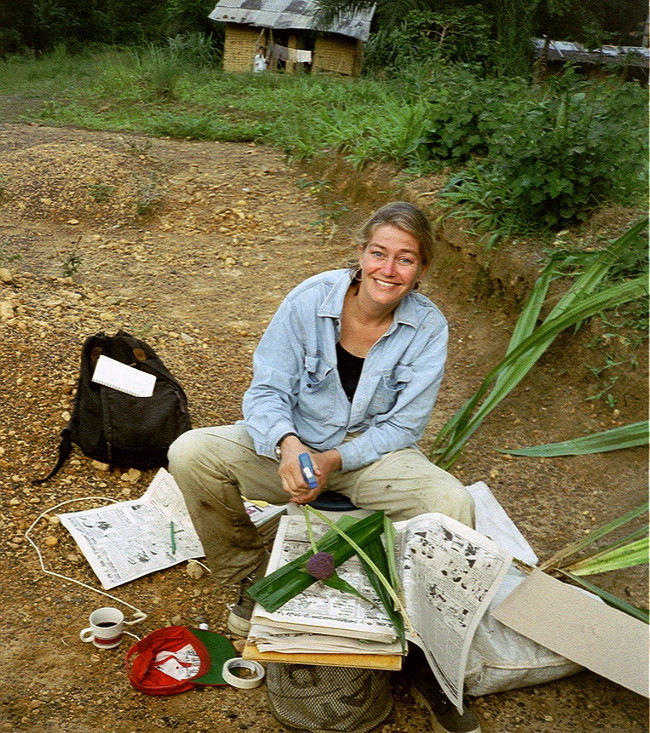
515	22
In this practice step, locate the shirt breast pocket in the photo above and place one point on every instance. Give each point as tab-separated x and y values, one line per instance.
391	385
317	389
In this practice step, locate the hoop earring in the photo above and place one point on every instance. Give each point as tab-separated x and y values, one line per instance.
358	274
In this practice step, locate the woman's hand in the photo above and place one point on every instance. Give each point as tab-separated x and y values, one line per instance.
293	482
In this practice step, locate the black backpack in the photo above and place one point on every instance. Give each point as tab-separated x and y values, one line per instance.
117	428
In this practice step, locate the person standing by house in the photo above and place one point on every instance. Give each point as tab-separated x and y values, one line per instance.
259	62
347	371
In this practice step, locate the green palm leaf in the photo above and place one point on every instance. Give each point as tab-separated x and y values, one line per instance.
626	436
528	344
627	556
560	557
287	581
336	582
523	357
626	552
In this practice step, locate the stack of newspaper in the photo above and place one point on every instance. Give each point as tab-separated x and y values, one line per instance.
449	574
321	620
265	517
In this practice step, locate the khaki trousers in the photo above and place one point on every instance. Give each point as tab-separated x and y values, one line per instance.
215	467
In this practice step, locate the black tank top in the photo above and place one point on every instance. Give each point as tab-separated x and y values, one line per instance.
349	367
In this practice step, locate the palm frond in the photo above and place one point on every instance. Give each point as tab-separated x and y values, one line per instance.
522	358
626	556
529	343
561	557
625	436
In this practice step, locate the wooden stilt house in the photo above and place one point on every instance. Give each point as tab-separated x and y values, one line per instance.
290	38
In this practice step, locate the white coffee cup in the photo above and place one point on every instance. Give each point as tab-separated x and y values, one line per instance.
106	628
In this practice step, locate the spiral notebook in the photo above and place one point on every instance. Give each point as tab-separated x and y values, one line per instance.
125	378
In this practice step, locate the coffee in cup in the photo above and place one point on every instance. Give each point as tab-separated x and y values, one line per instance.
106	628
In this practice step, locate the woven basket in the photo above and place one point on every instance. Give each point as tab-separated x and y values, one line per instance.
323	699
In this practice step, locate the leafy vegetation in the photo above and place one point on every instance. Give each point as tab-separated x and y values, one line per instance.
570	563
626	436
583	299
521	157
552	159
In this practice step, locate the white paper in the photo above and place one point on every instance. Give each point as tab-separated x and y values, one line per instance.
268	639
262	512
129	539
449	574
125	378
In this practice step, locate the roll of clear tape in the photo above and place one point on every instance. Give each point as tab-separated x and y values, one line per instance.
245	683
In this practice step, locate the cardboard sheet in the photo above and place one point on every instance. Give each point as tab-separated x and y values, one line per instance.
577	626
390	662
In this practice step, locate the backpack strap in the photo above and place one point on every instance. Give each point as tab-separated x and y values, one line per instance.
65	448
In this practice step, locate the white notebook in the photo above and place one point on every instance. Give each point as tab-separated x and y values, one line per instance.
112	373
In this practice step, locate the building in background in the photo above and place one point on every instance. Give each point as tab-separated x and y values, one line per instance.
292	41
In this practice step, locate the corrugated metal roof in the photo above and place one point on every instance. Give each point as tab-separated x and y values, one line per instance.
566	50
288	14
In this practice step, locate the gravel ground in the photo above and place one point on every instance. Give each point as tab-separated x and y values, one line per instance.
192	246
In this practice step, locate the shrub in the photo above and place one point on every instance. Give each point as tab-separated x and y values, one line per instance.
552	161
466	112
454	34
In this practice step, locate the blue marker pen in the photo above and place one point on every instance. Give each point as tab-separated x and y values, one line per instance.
307	469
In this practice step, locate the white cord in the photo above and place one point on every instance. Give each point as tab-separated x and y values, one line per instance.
203	565
65	577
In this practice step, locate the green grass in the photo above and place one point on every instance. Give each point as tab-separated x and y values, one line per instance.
421	121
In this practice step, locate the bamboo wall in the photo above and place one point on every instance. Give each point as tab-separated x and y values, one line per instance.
337	55
239	47
331	54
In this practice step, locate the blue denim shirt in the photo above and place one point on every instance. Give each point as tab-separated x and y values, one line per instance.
296	385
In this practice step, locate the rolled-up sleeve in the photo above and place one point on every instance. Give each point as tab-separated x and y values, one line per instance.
277	364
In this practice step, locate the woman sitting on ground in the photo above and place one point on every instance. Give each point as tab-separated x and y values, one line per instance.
348	371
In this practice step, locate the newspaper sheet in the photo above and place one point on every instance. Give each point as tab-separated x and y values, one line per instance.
128	539
320	608
449	575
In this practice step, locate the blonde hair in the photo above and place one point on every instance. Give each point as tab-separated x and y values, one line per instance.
404	216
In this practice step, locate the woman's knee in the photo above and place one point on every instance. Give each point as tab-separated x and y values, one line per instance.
456	502
448	496
193	451
184	449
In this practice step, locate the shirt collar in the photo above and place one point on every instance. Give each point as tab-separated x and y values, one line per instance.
332	305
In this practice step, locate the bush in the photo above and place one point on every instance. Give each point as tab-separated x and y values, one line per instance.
552	161
453	35
466	113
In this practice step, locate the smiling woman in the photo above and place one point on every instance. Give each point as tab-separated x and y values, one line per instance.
390	266
348	372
